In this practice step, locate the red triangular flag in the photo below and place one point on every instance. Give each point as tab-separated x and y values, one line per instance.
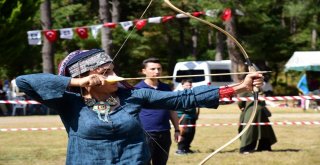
51	35
226	14
110	25
140	24
166	18
82	32
197	13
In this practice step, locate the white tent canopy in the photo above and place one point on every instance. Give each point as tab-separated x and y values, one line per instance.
304	61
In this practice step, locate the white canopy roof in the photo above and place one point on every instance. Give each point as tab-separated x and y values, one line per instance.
304	61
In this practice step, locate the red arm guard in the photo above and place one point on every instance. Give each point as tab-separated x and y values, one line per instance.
226	92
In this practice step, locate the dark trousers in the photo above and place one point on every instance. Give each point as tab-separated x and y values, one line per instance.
187	133
159	146
264	145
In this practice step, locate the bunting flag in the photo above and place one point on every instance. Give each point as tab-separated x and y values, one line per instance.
198	13
126	25
239	12
51	35
181	16
66	33
95	30
110	25
212	13
154	20
34	37
303	85
167	18
82	32
226	14
140	24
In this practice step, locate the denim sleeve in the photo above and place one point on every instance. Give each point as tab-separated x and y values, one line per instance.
46	88
202	96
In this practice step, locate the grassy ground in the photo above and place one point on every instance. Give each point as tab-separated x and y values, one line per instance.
296	144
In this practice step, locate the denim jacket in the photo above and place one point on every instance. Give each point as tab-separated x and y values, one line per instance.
120	140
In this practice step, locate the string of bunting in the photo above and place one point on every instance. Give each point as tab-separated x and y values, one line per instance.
284	123
255	124
35	36
269	98
273	98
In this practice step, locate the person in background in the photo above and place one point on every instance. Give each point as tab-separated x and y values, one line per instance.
187	117
263	135
8	94
101	116
3	107
17	95
156	123
267	88
7	89
315	104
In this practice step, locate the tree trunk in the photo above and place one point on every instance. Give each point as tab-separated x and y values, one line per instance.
181	37
314	35
183	49
47	48
105	16
170	51
219	46
210	33
194	39
314	39
283	22
115	11
293	25
234	54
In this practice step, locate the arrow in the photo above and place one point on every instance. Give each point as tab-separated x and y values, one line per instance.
116	78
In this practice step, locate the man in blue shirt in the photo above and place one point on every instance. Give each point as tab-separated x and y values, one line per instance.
156	121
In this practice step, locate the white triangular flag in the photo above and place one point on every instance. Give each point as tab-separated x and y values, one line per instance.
66	33
34	37
212	13
95	30
239	12
126	25
154	20
181	16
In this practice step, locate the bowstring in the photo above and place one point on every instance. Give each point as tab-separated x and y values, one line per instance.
130	33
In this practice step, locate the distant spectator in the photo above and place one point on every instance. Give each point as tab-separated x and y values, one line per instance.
261	135
3	107
16	94
186	117
267	88
6	88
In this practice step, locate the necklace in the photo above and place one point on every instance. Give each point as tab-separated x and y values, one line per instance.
102	108
112	101
91	101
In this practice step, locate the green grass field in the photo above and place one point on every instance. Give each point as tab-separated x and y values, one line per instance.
297	144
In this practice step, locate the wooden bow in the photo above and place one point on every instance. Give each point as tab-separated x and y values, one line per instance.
251	69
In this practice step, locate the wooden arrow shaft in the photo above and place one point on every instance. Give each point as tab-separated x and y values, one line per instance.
186	76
